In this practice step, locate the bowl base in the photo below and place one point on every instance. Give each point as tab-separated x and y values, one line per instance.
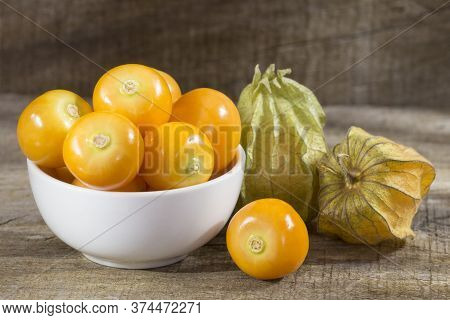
133	265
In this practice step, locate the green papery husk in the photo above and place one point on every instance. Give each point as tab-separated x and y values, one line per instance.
371	188
282	134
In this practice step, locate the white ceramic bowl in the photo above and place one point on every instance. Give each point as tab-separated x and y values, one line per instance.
137	230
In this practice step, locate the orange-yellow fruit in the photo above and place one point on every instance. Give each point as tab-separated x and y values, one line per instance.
104	150
173	85
267	239
138	92
217	116
177	155
44	123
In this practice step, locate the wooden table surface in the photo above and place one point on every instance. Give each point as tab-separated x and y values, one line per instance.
34	264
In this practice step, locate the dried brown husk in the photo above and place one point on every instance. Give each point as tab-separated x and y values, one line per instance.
371	188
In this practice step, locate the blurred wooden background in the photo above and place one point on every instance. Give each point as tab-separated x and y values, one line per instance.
217	43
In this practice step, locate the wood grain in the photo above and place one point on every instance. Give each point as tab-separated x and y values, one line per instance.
36	264
217	43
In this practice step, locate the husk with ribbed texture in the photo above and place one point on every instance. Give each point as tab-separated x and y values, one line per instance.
283	138
371	188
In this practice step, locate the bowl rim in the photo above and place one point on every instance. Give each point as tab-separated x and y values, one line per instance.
239	165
